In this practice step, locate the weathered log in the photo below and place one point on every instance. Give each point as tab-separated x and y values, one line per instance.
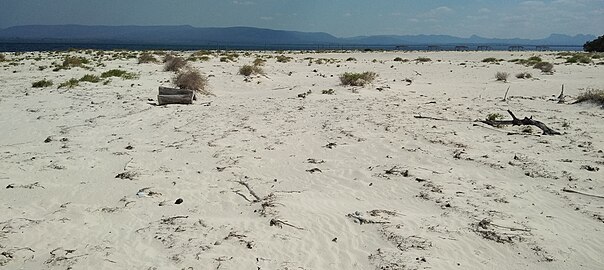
164	91
175	99
519	122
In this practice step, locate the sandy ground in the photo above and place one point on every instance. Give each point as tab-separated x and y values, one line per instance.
270	180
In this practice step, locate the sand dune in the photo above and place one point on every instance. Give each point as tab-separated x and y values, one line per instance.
270	180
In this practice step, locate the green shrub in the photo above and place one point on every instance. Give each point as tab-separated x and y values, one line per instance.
118	73
579	58
74	61
192	79
502	76
357	79
592	95
42	83
545	67
90	78
490	60
248	70
283	58
147	57
73	82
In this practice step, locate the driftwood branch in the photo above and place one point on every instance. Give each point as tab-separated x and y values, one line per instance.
582	193
250	190
519	122
506	94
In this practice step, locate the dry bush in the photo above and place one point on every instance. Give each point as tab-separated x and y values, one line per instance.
502	76
42	83
248	70
2	57
192	79
283	58
592	95
524	75
146	57
357	79
259	62
175	64
545	67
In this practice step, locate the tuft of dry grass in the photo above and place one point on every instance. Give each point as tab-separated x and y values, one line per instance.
192	79
174	63
502	76
357	79
591	95
42	83
147	57
2	57
248	70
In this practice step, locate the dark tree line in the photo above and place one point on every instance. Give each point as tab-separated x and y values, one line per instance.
596	45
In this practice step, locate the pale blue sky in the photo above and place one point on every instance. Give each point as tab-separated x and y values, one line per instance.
342	18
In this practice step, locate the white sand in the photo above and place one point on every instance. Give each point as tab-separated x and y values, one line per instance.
67	210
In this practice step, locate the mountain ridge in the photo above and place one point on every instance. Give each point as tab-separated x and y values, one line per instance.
189	35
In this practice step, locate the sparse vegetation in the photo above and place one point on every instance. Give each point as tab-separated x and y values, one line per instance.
90	78
248	70
328	92
422	59
531	61
192	79
118	73
351	59
545	67
524	75
592	95
74	61
259	62
73	82
357	79
491	60
502	76
42	83
175	64
397	59
147	57
2	57
283	58
494	116
579	58
527	129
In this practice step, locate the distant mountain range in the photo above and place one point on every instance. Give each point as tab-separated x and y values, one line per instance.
188	35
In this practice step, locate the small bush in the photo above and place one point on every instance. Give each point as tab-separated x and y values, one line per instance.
42	83
74	61
397	59
90	78
168	57
146	57
2	57
535	59
175	64
593	96
422	59
259	62
494	116
524	75
579	58
328	92
490	60
248	70
283	59
73	82
192	79
527	129
545	67
118	73
351	59
357	79
502	76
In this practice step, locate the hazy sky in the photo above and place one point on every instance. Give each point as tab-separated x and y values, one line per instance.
342	18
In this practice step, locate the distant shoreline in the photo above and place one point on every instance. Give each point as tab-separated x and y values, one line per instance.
63	46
